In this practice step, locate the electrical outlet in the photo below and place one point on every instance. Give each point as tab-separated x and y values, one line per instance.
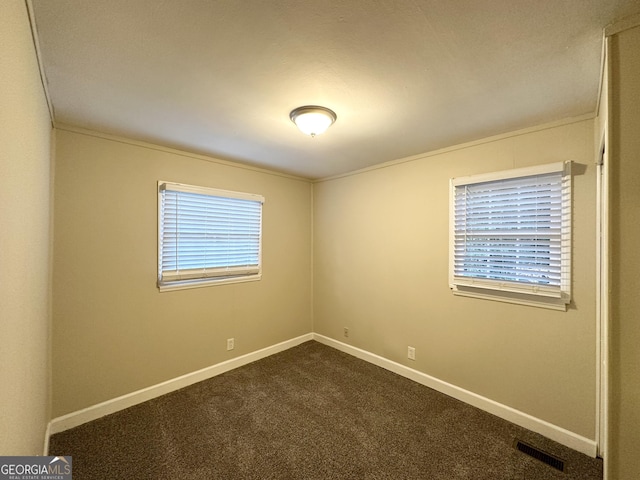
346	332
230	343
411	353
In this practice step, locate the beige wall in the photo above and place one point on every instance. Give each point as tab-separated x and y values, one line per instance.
25	173
381	269
114	333
624	461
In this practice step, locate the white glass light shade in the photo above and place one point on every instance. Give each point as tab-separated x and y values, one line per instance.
312	120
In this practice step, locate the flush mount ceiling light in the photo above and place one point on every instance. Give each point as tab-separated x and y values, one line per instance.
312	119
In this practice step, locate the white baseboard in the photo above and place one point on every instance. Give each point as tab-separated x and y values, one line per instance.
94	412
549	430
47	434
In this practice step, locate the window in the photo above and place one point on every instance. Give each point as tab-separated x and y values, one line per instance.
510	236
207	236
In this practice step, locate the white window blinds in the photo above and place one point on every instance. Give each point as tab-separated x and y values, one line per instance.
207	233
511	231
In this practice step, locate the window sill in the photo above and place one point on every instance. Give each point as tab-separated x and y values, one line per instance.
550	303
206	282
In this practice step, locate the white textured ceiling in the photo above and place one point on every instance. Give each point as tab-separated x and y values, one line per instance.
219	77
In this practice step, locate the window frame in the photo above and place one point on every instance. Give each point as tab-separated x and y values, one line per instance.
204	281
525	293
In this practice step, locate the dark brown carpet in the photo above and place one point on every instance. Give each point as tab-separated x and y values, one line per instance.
310	412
